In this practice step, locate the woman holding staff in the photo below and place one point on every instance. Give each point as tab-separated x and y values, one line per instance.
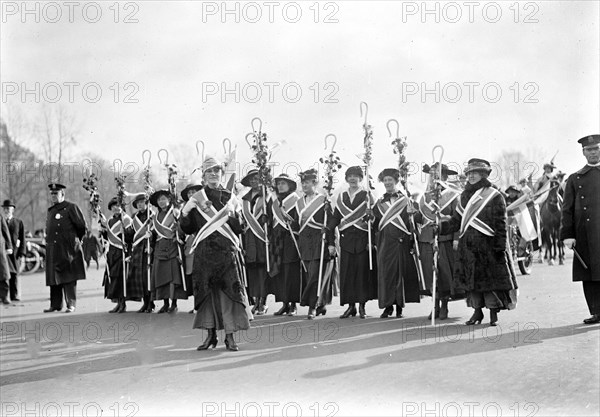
219	291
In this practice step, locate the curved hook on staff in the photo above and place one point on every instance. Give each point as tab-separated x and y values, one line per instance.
259	125
227	149
366	112
200	154
441	148
249	142
397	127
144	152
334	141
116	170
166	157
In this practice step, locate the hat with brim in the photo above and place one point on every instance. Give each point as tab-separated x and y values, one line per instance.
137	199
156	195
591	140
286	178
113	202
246	180
308	175
8	203
389	172
445	169
56	186
356	171
512	188
190	187
476	164
209	163
549	165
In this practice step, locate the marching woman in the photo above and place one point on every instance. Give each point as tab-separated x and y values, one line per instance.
219	291
398	280
188	254
167	276
357	283
115	230
448	200
254	210
483	267
285	264
309	220
139	267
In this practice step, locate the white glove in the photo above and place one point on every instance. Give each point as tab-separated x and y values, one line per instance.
569	243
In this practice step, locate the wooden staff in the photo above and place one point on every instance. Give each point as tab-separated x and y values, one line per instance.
367	141
148	190
437	176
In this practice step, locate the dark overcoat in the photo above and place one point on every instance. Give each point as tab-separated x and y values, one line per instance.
483	262
5	245
65	227
17	235
581	221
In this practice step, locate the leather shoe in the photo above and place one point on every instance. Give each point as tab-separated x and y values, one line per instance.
70	309
163	309
5	301
173	309
593	320
51	310
321	310
116	309
387	312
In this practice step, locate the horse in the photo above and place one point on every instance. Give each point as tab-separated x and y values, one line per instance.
550	216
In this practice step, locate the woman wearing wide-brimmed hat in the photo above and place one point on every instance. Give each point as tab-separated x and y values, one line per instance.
448	201
188	254
285	280
219	291
484	267
167	277
358	284
116	230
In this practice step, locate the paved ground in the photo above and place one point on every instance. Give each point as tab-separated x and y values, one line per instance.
541	360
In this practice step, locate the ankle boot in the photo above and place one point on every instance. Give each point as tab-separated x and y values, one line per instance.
230	343
494	316
436	309
173	308
444	309
292	311
476	317
387	312
122	306
399	311
283	310
211	340
165	306
361	310
350	311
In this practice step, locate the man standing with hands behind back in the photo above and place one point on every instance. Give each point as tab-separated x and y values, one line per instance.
65	227
580	226
17	234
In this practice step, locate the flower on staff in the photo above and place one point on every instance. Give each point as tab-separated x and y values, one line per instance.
332	165
262	156
89	184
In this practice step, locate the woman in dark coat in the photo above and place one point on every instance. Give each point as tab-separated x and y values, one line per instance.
188	268
398	280
484	267
116	231
285	281
358	284
139	265
219	291
167	266
448	200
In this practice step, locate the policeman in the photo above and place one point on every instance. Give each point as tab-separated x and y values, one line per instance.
580	227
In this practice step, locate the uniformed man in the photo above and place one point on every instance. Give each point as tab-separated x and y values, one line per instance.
17	234
65	225
580	227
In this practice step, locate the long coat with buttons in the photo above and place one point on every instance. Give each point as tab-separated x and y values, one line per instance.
65	227
581	221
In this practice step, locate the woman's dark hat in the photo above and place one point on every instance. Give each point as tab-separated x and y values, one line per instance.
389	172
188	188
246	180
156	195
476	164
445	169
285	177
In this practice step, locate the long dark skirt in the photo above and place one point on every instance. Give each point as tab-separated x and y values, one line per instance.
500	299
357	283
218	311
113	278
309	294
137	280
166	280
286	286
397	272
257	279
445	269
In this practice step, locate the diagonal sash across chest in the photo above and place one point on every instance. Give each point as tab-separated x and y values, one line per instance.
216	221
252	214
115	231
286	205
141	229
165	229
392	213
448	195
306	212
469	214
352	217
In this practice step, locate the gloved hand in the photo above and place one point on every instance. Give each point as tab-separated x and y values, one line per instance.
569	243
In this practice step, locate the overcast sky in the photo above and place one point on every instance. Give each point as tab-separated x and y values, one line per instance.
373	51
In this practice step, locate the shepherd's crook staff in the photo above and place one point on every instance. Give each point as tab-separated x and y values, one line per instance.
147	191
332	164
120	182
262	155
367	158
437	176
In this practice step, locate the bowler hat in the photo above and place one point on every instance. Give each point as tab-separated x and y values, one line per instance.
8	203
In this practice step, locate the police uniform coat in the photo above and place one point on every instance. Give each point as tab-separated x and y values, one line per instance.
581	220
65	227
